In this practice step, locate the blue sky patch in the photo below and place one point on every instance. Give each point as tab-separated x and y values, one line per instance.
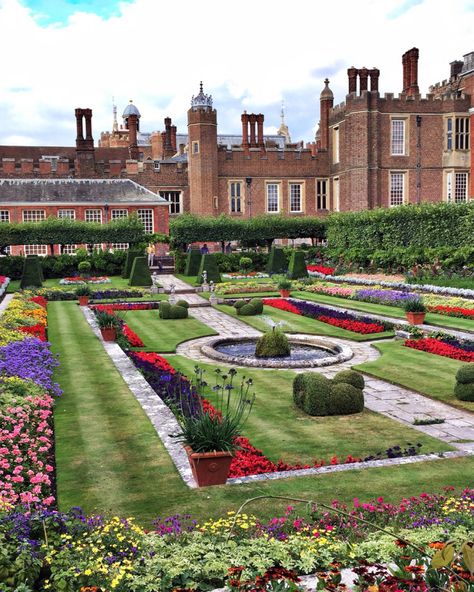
58	11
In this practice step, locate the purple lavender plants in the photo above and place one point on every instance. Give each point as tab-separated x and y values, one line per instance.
388	297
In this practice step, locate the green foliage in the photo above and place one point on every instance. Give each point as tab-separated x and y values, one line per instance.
272	344
178	312
247	310
105	320
32	275
239	303
64	231
315	398
208	264
350	377
277	261
297	266
284	284
245	264
140	274
83	290
183	303
193	261
345	399
414	305
189	228
129	259
257	303
164	310
84	267
230	262
299	388
465	374
417	226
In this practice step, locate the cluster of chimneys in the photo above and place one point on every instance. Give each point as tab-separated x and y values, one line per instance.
252	131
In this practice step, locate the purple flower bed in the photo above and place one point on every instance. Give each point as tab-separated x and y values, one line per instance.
106	294
30	358
388	297
310	309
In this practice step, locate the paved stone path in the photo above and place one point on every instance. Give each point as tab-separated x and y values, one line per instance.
5	302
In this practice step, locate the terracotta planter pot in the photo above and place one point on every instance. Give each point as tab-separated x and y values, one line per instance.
209	468
285	293
108	333
83	300
415	318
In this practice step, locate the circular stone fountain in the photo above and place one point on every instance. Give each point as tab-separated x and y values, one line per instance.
307	351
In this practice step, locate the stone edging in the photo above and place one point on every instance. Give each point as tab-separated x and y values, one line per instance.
345	353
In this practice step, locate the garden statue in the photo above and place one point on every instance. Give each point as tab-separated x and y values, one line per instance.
154	280
205	286
213	297
172	298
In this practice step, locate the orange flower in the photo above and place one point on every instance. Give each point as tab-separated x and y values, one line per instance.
437	545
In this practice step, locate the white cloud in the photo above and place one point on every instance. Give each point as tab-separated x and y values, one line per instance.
249	54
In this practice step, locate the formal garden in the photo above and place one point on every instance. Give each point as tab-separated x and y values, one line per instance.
348	468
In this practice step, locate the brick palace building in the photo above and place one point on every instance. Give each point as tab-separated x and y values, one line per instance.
369	151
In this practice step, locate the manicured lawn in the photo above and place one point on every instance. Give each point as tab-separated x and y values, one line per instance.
426	373
189	279
164	335
110	461
381	309
282	431
116	281
466	283
298	324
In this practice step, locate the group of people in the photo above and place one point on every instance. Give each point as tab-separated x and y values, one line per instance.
205	249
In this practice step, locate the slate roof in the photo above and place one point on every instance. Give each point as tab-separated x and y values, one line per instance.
76	191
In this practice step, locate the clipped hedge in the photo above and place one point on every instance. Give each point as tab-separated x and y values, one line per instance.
277	261
172	311
32	275
193	261
140	274
209	265
464	388
297	266
130	255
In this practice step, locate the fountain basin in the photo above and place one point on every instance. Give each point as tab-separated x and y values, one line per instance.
326	352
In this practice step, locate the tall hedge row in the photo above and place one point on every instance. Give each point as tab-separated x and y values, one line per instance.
426	225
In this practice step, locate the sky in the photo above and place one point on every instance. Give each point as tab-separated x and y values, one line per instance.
250	54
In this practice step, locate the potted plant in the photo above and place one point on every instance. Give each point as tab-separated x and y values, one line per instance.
415	311
284	286
83	293
108	324
209	434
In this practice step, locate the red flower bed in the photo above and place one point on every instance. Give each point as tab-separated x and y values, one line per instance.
126	306
132	337
453	311
160	363
38	331
355	326
434	346
281	304
321	269
39	300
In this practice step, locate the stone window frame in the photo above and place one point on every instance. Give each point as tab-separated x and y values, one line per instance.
336	192
322	196
336	147
278	202
395	200
240	197
457	132
400	142
452	184
195	147
295	182
179	203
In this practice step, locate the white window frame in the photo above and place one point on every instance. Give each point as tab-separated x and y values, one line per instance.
457	186
5	216
174	207
322	194
68	249
236	201
34	216
296	196
397	188
119	246
398	137
147	219
93	215
118	213
41	250
275	205
69	214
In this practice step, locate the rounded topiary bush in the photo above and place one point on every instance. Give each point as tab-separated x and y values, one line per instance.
345	399
164	310
350	377
246	310
257	303
178	312
317	392
299	389
183	303
239	303
465	374
273	344
464	392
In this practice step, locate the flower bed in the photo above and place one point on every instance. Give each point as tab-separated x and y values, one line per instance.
453	311
442	348
319	269
243	276
83	280
244	287
341	319
113	306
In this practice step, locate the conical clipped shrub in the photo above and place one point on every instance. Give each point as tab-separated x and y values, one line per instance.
129	259
140	274
277	261
32	273
193	261
209	264
297	266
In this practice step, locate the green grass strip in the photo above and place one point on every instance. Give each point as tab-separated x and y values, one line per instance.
163	335
423	372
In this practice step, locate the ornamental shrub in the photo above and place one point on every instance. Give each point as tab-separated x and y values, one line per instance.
247	310
129	259
345	399
465	374
193	261
350	377
245	263
464	392
183	303
239	303
299	388
208	264
273	344
140	274
32	274
297	266
316	397
277	261
178	312
84	267
257	303
164	310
